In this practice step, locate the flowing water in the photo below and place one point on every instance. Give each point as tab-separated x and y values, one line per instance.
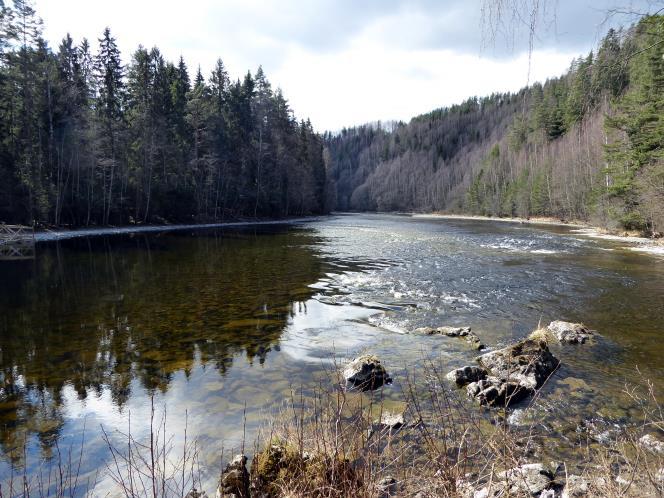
221	325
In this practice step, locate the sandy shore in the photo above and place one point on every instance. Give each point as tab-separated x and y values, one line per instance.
637	243
533	221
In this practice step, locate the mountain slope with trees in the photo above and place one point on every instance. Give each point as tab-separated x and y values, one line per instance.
587	145
86	140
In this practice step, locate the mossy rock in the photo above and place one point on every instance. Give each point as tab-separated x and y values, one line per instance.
282	467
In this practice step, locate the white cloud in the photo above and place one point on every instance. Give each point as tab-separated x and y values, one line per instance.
338	63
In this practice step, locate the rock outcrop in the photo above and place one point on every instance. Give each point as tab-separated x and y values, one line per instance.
571	333
366	373
515	372
234	481
465	375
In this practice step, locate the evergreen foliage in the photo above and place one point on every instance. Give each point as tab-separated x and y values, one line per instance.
88	140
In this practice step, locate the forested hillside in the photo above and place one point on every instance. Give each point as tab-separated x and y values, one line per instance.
588	145
85	139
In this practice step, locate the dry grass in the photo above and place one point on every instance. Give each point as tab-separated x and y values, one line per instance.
446	449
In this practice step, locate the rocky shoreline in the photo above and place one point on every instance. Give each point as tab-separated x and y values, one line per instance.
500	379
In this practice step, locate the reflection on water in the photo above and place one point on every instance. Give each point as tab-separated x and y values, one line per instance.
221	326
98	321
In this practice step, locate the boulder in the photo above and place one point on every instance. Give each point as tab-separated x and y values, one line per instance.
514	373
366	373
387	487
465	375
652	444
234	481
494	391
570	333
528	363
530	479
474	341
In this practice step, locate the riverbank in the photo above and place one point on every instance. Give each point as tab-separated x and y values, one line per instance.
50	235
640	243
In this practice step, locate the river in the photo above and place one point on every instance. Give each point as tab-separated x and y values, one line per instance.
220	326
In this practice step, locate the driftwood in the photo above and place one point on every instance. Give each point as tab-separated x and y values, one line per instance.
16	242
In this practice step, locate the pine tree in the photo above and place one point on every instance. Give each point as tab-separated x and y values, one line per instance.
110	111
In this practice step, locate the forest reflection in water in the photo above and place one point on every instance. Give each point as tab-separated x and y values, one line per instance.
100	313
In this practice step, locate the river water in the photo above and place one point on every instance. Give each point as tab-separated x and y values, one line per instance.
220	326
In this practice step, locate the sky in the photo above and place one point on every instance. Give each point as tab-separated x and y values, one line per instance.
347	62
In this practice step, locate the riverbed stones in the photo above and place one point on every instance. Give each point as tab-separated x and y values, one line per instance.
571	333
530	479
453	331
463	333
234	481
465	375
366	373
575	487
391	420
514	373
424	331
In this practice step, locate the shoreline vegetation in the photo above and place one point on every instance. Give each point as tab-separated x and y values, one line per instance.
55	233
647	245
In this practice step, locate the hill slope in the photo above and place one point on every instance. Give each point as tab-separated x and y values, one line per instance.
587	145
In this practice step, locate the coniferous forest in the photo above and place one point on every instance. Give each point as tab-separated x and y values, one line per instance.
88	140
588	145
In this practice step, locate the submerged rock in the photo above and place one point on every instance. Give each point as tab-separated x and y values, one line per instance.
571	333
474	341
234	481
515	372
465	375
461	332
390	420
366	373
453	331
